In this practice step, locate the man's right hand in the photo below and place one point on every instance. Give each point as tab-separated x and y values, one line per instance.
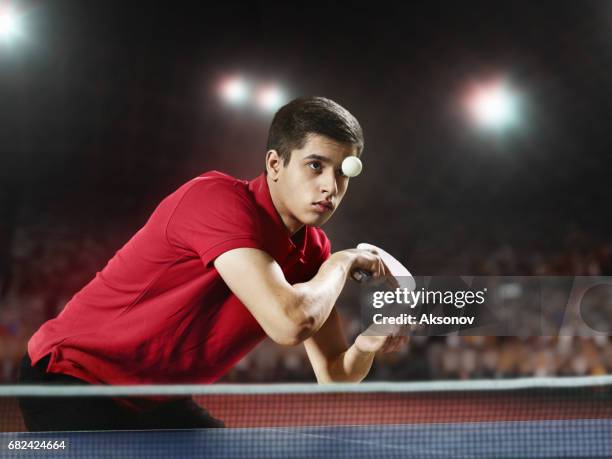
363	260
289	314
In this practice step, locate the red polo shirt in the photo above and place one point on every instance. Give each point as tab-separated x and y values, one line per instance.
159	312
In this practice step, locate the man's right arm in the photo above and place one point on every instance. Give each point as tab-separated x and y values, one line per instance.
290	313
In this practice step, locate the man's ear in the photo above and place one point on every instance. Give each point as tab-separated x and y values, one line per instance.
273	164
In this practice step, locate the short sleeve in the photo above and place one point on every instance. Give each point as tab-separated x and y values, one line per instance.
213	217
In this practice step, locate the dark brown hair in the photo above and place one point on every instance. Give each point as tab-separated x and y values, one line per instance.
293	123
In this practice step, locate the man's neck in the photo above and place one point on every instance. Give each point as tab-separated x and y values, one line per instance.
298	236
292	225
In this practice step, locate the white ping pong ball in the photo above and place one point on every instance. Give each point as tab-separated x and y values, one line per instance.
351	166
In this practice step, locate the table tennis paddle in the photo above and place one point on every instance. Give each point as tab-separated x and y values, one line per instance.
401	277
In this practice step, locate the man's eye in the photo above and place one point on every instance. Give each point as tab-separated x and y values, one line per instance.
315	165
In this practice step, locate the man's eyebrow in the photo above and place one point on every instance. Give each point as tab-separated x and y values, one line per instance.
324	159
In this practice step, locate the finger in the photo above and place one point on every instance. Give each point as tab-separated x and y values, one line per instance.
381	269
385	344
389	277
389	343
373	264
399	342
387	347
378	270
403	341
375	269
395	345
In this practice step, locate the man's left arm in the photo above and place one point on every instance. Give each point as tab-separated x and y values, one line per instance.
334	361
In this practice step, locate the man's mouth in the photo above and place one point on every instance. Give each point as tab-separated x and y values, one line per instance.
324	206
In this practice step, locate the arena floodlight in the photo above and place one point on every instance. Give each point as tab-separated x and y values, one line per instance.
10	24
493	105
270	98
235	90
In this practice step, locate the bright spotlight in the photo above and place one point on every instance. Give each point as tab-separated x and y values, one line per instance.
235	91
270	98
493	106
9	24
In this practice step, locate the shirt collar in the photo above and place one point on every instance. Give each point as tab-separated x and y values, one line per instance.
259	187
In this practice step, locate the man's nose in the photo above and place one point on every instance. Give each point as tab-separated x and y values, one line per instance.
330	183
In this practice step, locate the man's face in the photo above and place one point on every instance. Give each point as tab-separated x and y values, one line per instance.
310	188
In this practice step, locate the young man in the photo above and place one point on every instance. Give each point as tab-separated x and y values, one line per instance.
220	264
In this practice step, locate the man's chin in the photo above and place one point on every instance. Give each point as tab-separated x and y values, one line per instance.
318	220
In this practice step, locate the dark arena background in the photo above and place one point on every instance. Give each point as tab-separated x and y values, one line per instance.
488	152
107	107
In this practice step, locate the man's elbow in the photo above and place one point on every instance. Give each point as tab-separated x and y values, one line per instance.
297	324
293	334
288	339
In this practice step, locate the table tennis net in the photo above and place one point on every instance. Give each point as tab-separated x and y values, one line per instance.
545	417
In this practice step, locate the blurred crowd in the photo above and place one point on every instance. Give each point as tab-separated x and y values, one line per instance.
48	267
451	357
